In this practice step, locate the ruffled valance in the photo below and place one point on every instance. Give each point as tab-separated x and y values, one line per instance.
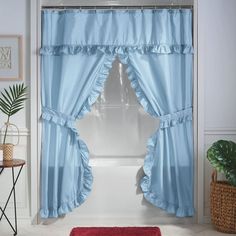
113	50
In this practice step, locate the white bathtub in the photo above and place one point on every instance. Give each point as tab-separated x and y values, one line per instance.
116	132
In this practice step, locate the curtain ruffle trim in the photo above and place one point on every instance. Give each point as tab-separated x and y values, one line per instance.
179	211
136	86
98	87
148	162
176	118
69	122
67	207
59	118
112	49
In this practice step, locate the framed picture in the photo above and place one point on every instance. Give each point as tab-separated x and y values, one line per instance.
10	57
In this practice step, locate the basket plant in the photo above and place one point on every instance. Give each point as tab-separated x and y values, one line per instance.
11	102
222	156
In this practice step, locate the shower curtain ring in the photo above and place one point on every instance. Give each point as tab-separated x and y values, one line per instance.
171	5
180	4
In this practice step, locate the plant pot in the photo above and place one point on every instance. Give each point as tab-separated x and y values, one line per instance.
8	147
7	151
223	205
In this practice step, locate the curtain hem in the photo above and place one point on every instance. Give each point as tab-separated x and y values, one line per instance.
66	207
145	183
179	211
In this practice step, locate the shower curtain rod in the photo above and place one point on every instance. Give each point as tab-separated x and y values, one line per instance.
115	7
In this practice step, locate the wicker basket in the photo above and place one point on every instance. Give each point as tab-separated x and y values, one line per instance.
223	205
7	151
8	147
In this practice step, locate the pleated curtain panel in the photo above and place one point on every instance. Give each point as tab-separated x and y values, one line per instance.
78	48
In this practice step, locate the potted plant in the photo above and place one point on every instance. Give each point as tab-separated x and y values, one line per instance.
222	156
11	101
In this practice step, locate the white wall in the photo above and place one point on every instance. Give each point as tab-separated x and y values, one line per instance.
217	25
14	18
217	72
216	69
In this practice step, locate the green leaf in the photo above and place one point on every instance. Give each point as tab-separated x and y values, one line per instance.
16	110
14	91
3	111
222	156
15	106
6	107
8	95
6	99
6	110
12	100
19	102
11	90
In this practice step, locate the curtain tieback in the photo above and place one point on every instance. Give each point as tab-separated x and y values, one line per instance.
59	118
176	118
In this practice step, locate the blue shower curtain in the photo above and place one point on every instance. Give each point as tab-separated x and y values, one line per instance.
78	48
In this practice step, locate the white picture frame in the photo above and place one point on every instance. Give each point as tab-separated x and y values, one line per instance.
11	57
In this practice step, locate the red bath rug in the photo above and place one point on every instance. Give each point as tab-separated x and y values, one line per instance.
115	231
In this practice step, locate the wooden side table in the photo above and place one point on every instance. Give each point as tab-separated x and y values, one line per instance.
11	164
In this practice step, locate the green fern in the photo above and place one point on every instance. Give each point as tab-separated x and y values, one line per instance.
222	156
12	101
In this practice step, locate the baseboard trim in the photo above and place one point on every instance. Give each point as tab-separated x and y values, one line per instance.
207	219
